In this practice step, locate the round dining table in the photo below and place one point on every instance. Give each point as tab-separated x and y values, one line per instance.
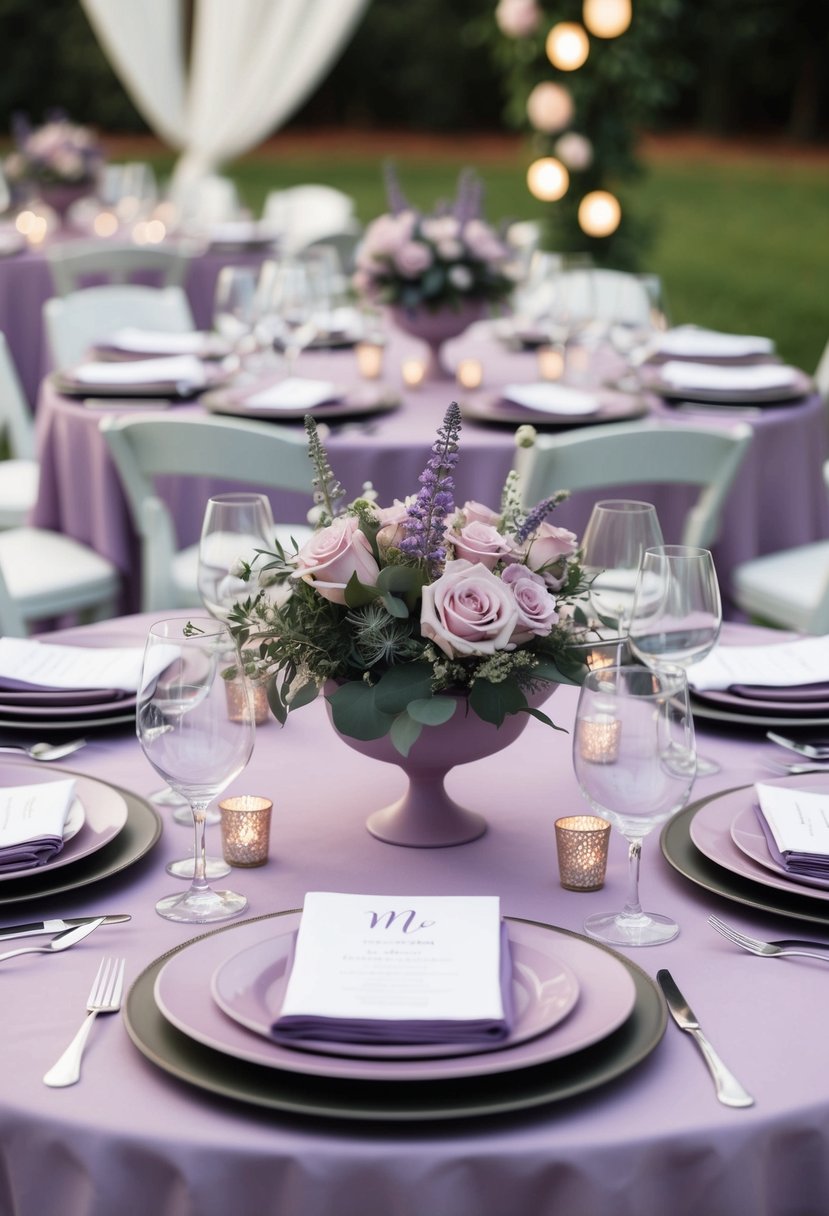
386	440
135	1136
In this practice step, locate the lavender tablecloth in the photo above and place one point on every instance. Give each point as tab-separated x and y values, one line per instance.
130	1139
778	500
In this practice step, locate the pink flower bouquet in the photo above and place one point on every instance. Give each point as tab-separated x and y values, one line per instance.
401	605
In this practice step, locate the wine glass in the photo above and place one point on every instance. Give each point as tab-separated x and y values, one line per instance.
235	526
677	611
190	739
639	317
617	534
235	306
634	757
294	306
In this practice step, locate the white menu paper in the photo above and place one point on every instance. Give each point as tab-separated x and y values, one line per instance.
397	959
29	812
50	665
798	819
293	393
781	665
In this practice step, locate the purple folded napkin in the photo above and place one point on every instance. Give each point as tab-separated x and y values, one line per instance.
32	821
19	692
30	854
298	1027
799	865
796	694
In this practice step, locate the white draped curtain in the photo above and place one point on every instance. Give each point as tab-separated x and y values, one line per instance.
252	64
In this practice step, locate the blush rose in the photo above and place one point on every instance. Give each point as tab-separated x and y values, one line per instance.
480	542
328	560
468	611
537	611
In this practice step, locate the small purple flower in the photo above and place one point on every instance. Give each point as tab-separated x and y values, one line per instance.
426	525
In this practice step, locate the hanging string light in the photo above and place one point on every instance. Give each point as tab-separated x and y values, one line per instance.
547	179
599	213
550	107
607	18
567	46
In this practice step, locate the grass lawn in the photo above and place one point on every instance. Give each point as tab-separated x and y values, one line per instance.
741	234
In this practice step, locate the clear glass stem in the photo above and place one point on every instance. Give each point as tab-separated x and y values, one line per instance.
199	882
632	905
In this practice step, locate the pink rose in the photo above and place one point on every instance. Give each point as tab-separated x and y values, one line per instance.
480	542
393	522
328	560
537	611
384	236
546	550
413	258
479	512
482	242
468	611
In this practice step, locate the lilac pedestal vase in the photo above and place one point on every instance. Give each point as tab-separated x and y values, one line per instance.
426	817
60	197
435	328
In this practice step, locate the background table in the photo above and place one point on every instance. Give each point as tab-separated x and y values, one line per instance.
131	1139
778	500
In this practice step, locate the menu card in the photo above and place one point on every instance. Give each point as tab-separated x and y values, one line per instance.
398	969
714	377
139	341
25	663
550	398
32	819
781	665
295	392
796	826
167	369
692	341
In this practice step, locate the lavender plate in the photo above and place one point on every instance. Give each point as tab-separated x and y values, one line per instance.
606	998
747	834
250	988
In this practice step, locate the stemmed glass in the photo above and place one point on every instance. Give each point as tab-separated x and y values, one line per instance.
235	304
633	333
235	526
190	739
677	611
634	757
295	306
617	534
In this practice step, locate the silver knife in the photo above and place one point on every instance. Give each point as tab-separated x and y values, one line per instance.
56	926
729	1090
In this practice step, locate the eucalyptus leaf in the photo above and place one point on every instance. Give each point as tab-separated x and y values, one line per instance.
277	706
432	711
304	695
394	606
493	702
357	594
542	717
400	685
405	732
355	713
405	581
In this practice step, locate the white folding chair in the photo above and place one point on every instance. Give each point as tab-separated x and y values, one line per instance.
75	322
76	265
19	474
44	574
789	589
624	454
308	213
254	453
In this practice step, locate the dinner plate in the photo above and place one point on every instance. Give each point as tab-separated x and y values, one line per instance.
606	996
100	814
783	708
140	832
801	385
747	883
250	987
734	717
358	400
48	723
747	834
215	375
346	1097
492	408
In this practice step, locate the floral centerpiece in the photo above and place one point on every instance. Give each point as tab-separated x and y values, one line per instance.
446	258
57	154
394	609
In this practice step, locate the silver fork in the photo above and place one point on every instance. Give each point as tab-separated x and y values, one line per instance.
770	949
104	997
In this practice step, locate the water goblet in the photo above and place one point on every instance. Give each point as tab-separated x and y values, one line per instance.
677	611
188	737
294	306
234	528
617	534
634	757
235	306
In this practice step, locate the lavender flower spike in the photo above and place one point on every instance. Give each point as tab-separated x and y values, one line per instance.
537	516
470	196
395	197
426	524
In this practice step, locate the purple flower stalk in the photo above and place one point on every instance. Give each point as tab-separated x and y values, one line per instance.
395	197
470	196
426	524
537	516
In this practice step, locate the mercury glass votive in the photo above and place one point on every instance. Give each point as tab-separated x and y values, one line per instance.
238	706
581	843
369	359
470	373
550	361
246	829
599	739
413	372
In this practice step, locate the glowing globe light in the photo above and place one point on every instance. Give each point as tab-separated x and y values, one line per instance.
567	46
547	179
599	213
574	150
550	107
105	224
607	18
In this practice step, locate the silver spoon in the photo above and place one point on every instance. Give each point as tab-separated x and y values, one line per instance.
45	751
63	941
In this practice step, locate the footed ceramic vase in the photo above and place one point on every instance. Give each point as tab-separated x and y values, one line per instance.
435	328
426	817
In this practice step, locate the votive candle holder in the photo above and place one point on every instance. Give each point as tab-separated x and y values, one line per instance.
470	373
413	372
581	843
239	708
369	360
246	829
599	739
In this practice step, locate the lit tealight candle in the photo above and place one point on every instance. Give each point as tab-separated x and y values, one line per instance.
246	829
369	359
550	362
470	373
413	372
599	739
239	707
581	842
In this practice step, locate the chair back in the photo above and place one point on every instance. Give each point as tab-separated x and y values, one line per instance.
597	458
303	214
76	322
254	453
75	265
12	621
822	374
16	423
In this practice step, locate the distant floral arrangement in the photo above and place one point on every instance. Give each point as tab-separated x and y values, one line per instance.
57	153
399	606
449	256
